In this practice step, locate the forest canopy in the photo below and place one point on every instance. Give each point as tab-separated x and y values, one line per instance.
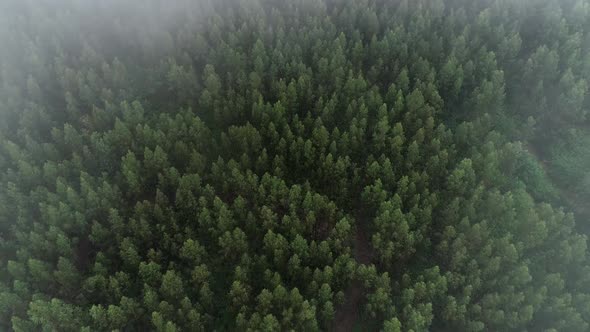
307	165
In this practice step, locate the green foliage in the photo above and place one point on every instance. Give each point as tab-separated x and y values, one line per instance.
309	165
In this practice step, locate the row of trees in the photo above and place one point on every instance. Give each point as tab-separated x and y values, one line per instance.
203	166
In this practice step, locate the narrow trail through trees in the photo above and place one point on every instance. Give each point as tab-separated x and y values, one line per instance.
348	313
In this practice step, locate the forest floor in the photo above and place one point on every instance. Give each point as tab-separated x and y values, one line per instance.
348	314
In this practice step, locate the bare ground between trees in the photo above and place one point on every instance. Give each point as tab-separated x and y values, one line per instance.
348	313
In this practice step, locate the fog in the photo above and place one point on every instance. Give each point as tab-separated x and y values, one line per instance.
305	165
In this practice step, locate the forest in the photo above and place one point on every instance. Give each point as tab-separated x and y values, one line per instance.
302	165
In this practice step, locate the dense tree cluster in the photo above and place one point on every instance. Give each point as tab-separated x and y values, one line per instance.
250	165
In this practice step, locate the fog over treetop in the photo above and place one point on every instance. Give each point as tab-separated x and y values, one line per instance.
303	165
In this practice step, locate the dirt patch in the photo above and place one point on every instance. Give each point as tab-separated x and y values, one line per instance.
348	313
83	253
363	252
